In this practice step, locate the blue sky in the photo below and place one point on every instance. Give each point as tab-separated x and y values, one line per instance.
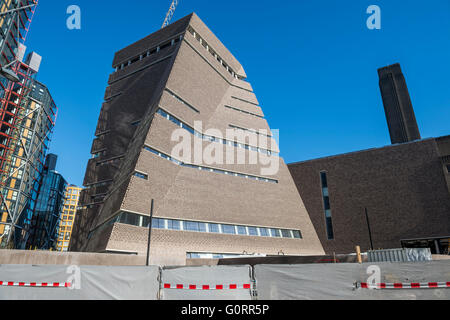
313	66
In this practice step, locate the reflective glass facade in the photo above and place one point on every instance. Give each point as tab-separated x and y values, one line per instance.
46	218
23	126
25	133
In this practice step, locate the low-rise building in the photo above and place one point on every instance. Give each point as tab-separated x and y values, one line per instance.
404	187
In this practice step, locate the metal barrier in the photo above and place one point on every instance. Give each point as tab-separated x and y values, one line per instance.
400	255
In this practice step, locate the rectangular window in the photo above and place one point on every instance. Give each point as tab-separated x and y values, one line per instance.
228	229
252	231
286	233
330	232
191	226
448	168
242	230
214	228
174	225
264	232
275	233
326	202
297	234
327	205
141	175
323	177
127	218
158	223
144	221
202	227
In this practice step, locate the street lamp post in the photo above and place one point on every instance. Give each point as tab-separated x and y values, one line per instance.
149	235
370	231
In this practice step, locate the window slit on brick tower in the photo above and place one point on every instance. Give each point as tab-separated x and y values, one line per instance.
327	206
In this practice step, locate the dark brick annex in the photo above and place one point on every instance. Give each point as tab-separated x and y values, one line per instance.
404	187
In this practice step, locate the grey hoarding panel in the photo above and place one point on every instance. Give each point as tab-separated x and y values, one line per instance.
96	283
335	281
212	276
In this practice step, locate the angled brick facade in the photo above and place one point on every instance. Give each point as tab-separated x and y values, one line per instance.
174	78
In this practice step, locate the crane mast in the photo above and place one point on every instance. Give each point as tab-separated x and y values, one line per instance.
170	13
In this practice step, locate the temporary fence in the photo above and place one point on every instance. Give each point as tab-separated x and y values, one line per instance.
380	281
26	282
389	281
207	283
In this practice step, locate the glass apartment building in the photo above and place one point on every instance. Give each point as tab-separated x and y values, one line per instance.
46	217
25	132
24	128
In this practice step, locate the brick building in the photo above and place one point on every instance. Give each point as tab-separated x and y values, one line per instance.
165	82
405	188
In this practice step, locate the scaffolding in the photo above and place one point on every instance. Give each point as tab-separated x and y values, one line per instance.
25	126
22	182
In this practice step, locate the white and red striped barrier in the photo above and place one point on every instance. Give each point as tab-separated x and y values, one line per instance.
35	284
206	287
411	285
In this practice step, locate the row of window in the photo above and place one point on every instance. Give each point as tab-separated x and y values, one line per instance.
64	237
141	175
211	138
327	206
110	161
99	184
98	135
98	154
246	101
150	52
193	226
73	191
243	111
213	53
181	100
249	130
230	173
203	255
67	211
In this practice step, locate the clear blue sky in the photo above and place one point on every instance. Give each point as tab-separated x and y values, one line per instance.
313	66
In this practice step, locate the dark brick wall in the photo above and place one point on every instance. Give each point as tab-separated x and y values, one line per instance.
403	187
